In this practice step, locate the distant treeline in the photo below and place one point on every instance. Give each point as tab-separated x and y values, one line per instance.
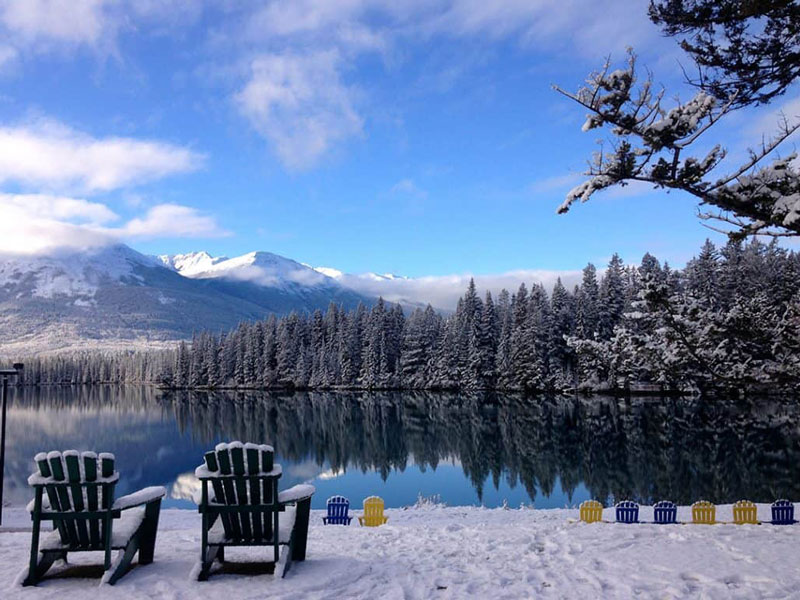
731	318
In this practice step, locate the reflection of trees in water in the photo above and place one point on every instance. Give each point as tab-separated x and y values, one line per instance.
645	449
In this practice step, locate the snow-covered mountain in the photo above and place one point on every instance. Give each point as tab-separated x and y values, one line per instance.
117	297
191	263
263	268
342	276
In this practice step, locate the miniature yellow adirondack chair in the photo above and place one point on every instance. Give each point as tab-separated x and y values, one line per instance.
704	513
744	512
373	512
591	511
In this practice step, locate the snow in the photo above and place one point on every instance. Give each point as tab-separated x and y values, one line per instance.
77	274
460	552
202	472
143	496
262	268
191	263
298	492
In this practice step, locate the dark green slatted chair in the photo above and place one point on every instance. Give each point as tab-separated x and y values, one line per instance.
241	506
76	492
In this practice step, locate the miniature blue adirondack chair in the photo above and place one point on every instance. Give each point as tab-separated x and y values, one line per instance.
627	512
76	492
665	513
240	504
338	506
783	513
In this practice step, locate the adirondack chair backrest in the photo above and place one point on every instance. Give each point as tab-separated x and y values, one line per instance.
591	511
242	474
373	511
80	488
665	513
338	507
704	513
782	512
745	512
627	512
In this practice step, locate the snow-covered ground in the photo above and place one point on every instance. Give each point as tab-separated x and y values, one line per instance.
462	552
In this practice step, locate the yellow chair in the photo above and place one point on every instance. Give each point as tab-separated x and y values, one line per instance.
704	513
373	512
591	511
744	513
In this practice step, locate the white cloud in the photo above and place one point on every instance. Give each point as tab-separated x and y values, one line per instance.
34	224
52	25
769	122
444	291
408	187
49	155
299	103
556	183
59	207
294	94
70	21
173	220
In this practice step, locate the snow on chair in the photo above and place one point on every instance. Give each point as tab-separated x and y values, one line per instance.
665	513
783	513
627	512
704	513
240	505
745	513
591	511
76	492
338	507
373	512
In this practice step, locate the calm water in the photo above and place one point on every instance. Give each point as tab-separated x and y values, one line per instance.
468	449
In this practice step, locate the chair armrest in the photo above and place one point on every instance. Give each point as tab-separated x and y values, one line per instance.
143	496
45	505
296	493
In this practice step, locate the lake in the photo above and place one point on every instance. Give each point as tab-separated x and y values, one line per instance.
471	449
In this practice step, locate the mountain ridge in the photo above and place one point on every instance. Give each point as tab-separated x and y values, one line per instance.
114	295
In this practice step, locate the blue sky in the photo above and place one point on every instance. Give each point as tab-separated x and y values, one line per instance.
422	139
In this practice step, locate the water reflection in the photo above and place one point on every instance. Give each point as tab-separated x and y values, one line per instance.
561	448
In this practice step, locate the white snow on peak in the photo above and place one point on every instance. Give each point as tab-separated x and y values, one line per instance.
330	272
72	273
263	268
341	275
191	263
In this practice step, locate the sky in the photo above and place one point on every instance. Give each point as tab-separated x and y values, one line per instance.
419	137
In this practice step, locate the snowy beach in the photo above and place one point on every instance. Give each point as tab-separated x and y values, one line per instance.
459	552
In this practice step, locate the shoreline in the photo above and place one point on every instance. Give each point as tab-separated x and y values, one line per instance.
456	552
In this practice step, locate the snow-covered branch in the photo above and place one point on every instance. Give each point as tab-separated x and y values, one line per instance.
653	144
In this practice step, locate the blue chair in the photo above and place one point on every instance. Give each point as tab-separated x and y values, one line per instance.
627	512
338	506
783	513
665	513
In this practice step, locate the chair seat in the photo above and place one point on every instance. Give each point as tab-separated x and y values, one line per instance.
122	530
217	536
337	520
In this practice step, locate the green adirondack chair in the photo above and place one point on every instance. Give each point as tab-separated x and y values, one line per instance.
76	492
241	506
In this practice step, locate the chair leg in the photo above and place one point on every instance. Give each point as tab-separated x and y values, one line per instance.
124	563
209	555
39	567
148	532
300	534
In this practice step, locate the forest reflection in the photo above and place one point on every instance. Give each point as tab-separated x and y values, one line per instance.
640	448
